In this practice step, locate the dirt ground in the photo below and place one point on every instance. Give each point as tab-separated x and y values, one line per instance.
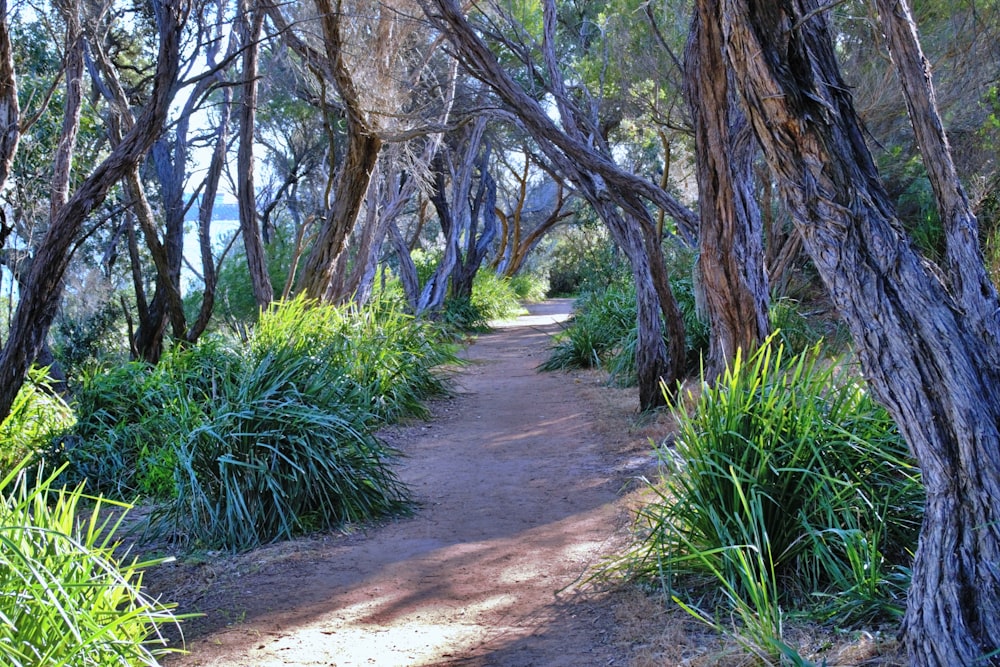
518	480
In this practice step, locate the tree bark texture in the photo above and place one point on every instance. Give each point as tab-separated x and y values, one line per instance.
730	239
43	287
965	269
249	23
920	349
10	111
354	176
484	207
454	208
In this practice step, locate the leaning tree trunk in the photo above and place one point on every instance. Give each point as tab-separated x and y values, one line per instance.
249	24
354	177
43	288
731	259
919	346
964	267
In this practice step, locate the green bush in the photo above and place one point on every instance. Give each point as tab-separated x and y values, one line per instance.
65	599
788	486
131	418
585	260
603	332
250	442
36	417
529	287
285	449
393	359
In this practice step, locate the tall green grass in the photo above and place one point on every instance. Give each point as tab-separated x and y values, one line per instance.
36	417
284	449
246	443
394	360
603	332
788	487
66	599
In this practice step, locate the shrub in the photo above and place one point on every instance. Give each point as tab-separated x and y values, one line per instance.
36	417
284	449
392	358
529	287
788	485
65	599
131	418
604	333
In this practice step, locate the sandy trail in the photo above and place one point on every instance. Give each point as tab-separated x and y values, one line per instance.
516	500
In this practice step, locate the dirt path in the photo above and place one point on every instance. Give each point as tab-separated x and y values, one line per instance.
517	499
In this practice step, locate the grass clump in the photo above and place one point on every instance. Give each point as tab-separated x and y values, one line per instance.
36	417
493	298
603	332
285	449
788	487
243	443
65	598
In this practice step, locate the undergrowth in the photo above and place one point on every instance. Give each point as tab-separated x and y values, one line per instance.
66	598
787	488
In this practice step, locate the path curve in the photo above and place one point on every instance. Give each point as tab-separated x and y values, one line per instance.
516	500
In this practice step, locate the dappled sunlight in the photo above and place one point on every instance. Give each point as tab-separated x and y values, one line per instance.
515	507
450	601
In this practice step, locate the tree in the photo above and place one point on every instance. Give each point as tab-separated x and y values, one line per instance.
919	338
10	111
578	150
730	241
43	287
249	24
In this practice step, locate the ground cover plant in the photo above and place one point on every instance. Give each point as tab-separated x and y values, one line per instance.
66	597
37	416
787	492
603	331
242	443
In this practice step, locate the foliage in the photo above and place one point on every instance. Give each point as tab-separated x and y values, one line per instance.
529	287
284	449
604	333
248	443
600	322
788	486
36	417
132	416
392	359
65	598
585	260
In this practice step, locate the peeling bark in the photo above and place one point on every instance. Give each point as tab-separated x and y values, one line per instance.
730	242
919	343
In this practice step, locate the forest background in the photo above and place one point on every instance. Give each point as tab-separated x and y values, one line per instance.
711	161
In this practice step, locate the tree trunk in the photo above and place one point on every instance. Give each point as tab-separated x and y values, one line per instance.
654	364
249	24
920	346
10	112
354	177
43	288
731	258
965	269
484	207
208	270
